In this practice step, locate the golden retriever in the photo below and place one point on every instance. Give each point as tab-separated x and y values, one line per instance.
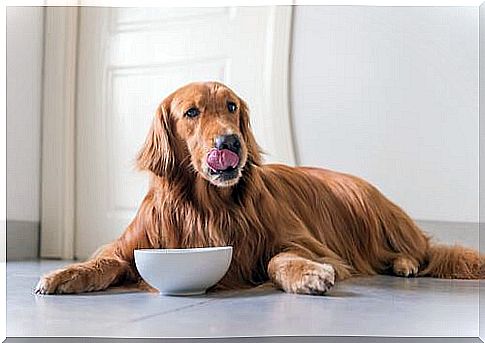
301	228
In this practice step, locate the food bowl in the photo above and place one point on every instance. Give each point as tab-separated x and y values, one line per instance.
183	271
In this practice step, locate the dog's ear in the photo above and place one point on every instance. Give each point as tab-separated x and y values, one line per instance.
158	152
254	151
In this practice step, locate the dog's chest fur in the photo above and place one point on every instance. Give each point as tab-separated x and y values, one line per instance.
187	221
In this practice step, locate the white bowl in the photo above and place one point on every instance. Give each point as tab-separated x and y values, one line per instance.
183	271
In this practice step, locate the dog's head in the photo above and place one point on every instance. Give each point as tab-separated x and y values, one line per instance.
202	127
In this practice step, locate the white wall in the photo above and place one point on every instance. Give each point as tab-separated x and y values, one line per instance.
24	75
391	94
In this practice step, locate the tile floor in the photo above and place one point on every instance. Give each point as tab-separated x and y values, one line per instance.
375	306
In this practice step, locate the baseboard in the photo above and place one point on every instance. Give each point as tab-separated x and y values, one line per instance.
22	240
463	233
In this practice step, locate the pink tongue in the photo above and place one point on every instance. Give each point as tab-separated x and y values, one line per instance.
222	159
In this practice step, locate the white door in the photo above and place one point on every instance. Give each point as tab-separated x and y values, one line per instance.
130	59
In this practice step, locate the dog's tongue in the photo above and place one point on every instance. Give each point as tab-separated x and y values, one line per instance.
222	159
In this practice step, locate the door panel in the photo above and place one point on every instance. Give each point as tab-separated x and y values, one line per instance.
129	60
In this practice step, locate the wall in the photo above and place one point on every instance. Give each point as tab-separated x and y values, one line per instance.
24	78
391	94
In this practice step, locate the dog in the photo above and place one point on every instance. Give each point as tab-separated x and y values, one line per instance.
301	228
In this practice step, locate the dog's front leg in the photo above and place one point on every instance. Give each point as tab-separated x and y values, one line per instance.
112	263
296	274
95	274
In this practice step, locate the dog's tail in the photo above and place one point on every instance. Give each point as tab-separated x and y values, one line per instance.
454	262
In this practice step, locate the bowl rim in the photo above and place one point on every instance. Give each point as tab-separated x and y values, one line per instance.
183	250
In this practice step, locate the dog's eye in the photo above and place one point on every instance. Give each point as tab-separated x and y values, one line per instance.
232	107
192	112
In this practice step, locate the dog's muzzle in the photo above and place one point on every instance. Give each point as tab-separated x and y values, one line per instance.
224	159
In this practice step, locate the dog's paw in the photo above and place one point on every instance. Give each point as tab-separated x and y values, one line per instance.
64	281
317	281
45	286
403	266
306	277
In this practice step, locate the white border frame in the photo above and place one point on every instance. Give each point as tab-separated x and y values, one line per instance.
59	116
58	133
3	176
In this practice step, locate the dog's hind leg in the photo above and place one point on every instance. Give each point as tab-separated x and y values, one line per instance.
405	266
388	240
404	245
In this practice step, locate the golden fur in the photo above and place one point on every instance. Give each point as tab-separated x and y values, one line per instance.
301	228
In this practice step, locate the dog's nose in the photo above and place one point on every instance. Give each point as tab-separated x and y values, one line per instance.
230	142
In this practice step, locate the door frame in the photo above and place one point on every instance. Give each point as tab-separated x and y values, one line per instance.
58	133
58	179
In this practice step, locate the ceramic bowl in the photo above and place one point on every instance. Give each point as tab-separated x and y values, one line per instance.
183	271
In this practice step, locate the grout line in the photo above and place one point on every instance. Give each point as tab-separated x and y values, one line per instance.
225	295
171	311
